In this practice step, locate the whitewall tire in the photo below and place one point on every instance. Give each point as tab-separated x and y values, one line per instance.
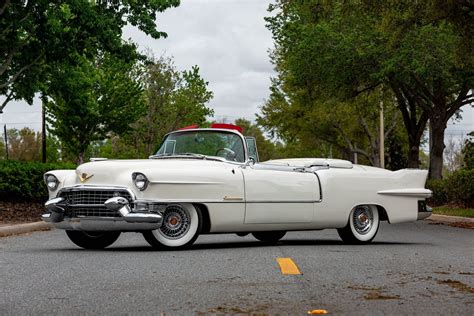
362	226
182	224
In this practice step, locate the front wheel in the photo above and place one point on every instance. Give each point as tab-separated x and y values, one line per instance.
182	224
271	237
92	240
362	226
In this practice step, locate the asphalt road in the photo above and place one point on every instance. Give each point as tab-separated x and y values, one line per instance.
410	269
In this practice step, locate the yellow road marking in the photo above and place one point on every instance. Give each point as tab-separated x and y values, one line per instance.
288	266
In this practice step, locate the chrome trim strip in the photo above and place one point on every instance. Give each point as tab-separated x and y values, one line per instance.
286	202
233	198
320	188
222	201
186	182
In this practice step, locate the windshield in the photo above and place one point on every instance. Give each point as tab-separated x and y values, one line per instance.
226	145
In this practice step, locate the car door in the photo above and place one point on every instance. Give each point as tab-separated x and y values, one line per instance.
275	196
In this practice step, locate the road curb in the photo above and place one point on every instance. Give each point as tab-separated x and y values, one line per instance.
449	219
17	229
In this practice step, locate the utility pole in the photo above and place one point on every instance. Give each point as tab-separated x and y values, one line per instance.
6	139
356	160
382	136
43	130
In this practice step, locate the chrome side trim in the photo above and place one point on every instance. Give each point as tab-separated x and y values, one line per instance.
223	201
320	188
286	202
186	182
233	198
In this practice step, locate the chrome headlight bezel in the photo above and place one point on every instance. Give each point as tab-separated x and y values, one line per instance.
140	181
51	181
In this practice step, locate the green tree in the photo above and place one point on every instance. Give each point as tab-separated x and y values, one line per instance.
92	99
342	129
24	144
173	99
35	34
468	152
342	49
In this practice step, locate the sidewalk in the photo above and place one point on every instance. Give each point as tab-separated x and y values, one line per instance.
16	229
450	219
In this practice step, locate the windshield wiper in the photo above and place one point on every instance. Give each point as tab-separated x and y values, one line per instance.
169	155
180	155
201	156
159	156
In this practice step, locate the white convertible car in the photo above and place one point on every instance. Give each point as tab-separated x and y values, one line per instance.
210	181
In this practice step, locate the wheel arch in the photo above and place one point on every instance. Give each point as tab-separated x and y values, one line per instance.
383	215
206	219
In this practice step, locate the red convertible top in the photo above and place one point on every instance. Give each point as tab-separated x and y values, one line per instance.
216	125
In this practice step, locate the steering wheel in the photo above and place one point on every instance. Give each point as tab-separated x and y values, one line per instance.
228	152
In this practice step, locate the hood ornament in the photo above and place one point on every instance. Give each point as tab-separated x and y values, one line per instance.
83	177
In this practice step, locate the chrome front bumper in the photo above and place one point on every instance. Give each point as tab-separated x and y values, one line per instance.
128	220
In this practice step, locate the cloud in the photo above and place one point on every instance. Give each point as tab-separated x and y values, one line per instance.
228	40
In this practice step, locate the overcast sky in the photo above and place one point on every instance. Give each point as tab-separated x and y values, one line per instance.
228	40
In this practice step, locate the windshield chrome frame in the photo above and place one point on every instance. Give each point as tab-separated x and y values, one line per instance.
242	138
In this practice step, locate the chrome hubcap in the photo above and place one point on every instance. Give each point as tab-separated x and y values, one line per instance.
363	219
176	222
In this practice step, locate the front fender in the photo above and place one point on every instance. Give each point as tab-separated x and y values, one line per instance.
66	177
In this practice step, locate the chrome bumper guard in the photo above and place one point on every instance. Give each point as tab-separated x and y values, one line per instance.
128	220
424	210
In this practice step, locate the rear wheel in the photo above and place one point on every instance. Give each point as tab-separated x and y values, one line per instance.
272	236
92	240
182	224
362	226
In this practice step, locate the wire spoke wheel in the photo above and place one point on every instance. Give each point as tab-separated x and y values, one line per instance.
363	219
181	226
362	226
176	222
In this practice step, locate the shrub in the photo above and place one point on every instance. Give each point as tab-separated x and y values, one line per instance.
458	189
439	196
23	181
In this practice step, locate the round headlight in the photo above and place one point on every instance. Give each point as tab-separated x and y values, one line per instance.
140	181
51	181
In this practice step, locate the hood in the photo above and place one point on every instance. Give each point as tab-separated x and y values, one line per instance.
112	171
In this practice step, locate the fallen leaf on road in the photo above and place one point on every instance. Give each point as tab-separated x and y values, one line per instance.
317	312
458	285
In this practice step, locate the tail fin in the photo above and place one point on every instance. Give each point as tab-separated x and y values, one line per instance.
410	182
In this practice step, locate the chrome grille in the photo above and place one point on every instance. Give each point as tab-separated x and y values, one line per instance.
89	202
92	196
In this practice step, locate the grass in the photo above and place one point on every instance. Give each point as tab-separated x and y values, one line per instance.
453	211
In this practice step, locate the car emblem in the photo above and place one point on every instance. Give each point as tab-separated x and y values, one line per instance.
84	177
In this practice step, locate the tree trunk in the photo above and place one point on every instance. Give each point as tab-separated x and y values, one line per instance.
413	152
437	128
43	130
80	159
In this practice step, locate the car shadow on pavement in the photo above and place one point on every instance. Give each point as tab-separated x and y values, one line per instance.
246	244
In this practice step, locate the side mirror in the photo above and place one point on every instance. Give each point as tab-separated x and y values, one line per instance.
249	162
